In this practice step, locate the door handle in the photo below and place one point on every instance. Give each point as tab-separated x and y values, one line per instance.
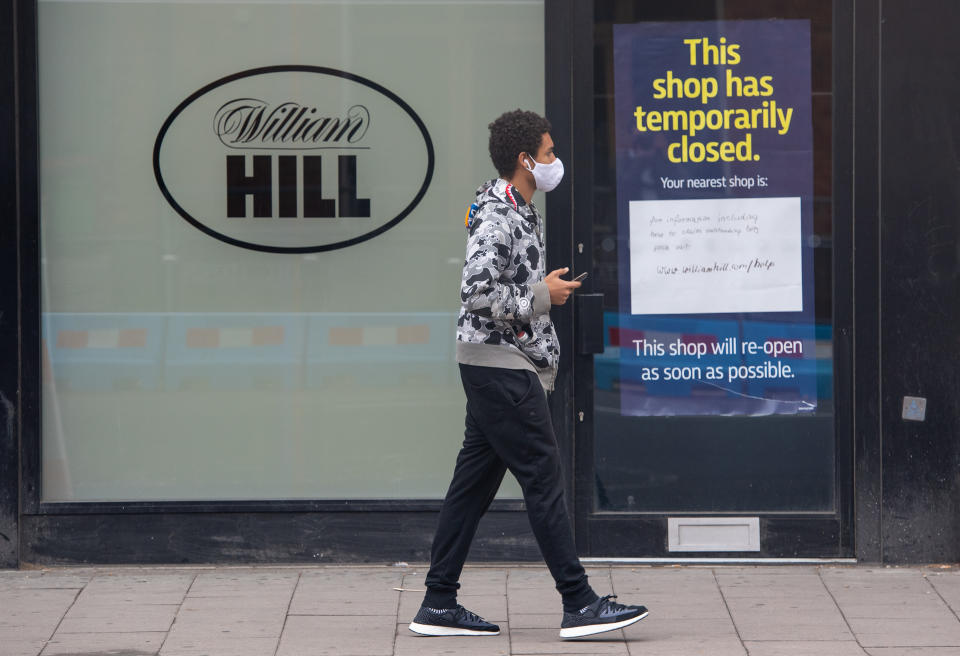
588	317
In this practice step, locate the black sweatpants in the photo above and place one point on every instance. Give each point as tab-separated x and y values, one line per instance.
508	426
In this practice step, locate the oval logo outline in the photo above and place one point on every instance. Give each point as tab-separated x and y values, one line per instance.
295	68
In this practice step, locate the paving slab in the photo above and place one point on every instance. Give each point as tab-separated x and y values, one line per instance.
33	613
762	585
254	620
20	647
767	570
529	577
671	593
275	602
947	585
219	583
547	641
118	618
191	626
536	620
327	635
32	580
913	651
480	581
104	643
655	627
905	609
642	578
893	583
788	619
879	582
218	646
804	648
127	603
536	600
209	614
375	603
141	584
907	632
800	628
347	592
681	646
782	607
670	637
893	607
680	607
221	620
409	604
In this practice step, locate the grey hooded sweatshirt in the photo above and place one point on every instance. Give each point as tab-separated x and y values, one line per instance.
505	314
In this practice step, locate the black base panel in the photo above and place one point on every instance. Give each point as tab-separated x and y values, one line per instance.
274	538
623	537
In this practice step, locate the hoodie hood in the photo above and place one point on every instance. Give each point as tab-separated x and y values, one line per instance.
482	189
498	190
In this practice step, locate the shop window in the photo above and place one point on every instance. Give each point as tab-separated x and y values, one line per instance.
252	236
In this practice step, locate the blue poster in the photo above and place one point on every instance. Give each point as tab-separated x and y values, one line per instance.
714	155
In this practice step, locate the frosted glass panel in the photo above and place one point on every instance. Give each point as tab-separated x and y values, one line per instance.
242	301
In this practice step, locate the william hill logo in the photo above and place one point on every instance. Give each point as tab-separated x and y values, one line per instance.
301	159
250	124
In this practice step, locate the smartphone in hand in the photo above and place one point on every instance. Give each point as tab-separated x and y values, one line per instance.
580	277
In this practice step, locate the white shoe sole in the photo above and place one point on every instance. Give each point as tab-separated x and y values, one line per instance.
431	630
582	631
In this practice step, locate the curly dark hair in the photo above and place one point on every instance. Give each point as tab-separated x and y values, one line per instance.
513	133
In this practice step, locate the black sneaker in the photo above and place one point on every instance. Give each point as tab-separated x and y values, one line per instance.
457	621
602	615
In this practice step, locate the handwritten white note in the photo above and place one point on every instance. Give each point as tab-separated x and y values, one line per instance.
707	256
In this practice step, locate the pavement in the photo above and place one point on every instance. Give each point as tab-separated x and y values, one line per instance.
816	610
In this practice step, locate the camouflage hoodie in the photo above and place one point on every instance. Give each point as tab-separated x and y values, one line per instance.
505	314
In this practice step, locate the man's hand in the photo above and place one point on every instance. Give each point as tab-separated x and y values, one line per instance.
560	290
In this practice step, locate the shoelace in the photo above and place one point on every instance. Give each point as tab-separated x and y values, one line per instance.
467	615
605	602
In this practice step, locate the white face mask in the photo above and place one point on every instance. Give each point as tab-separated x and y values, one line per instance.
547	176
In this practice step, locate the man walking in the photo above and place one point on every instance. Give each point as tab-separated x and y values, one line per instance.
507	351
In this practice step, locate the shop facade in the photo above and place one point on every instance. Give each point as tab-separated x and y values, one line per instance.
232	243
